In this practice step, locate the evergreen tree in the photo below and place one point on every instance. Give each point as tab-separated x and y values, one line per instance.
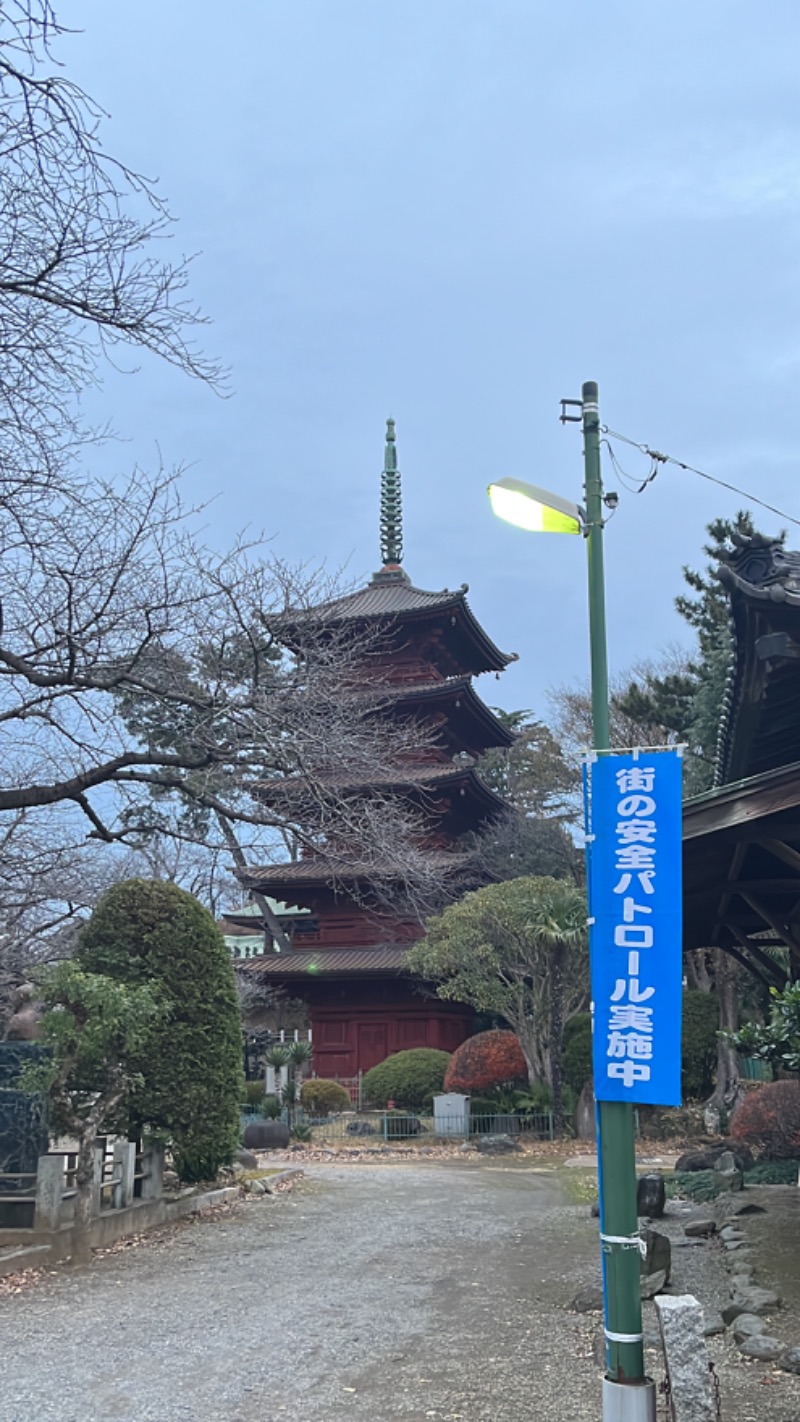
687	703
532	774
543	795
145	932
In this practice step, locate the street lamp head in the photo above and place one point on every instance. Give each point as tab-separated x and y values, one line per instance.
536	510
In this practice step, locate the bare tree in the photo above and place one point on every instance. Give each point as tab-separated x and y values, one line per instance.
145	683
571	711
50	879
80	272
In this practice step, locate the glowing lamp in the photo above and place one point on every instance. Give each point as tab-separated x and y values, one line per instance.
536	510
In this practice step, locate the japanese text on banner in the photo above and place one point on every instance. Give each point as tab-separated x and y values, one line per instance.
633	807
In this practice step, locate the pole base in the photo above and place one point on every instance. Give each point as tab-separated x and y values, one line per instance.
629	1402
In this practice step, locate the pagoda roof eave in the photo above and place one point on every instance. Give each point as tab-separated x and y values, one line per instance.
449	690
313	873
463	779
381	960
381	603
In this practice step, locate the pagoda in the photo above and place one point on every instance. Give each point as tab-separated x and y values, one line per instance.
346	952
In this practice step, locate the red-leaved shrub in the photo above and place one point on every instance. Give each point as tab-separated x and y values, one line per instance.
768	1120
484	1061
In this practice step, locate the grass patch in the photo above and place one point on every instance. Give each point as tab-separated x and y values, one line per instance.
579	1186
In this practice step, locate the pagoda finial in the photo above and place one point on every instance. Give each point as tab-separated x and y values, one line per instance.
391	504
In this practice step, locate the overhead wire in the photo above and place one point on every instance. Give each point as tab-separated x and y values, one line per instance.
657	459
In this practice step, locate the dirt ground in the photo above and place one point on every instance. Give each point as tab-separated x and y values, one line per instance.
420	1289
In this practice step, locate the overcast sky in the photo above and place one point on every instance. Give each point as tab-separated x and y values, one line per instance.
455	212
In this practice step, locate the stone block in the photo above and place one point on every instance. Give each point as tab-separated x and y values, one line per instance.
682	1329
651	1196
658	1254
49	1192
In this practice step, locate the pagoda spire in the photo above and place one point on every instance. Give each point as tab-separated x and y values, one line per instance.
391	504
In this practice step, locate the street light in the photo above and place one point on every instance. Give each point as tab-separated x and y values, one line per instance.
628	1396
536	510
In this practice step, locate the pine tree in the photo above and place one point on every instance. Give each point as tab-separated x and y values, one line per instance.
686	703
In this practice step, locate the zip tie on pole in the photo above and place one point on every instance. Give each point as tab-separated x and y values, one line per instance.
623	1337
628	1241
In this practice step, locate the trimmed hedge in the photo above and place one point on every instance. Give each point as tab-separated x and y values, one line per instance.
147	931
410	1079
486	1060
320	1097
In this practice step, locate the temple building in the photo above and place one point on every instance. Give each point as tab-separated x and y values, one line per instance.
742	838
345	950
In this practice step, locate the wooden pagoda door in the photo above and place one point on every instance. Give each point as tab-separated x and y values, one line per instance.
373	1046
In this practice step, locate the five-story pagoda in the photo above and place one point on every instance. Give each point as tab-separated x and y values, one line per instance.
347	951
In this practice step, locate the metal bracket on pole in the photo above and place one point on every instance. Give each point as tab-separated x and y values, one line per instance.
571	419
629	1402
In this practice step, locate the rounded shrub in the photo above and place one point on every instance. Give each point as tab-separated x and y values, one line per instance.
699	1044
410	1079
253	1094
320	1097
768	1120
577	1052
486	1060
148	932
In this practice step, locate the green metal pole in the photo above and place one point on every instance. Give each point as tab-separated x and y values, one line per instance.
615	1142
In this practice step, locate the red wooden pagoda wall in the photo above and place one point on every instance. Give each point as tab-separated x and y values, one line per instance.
354	1037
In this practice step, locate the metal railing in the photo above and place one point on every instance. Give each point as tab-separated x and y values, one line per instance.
410	1125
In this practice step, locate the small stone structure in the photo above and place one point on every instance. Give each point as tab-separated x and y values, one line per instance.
682	1326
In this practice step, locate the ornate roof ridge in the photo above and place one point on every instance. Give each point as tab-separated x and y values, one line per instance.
757	573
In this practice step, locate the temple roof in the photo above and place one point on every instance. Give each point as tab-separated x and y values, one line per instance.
390	599
326	962
760	725
741	871
464	704
316	872
426	779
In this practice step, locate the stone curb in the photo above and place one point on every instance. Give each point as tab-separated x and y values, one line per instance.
282	1176
195	1204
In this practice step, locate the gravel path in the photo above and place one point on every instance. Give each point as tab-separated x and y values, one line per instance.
396	1291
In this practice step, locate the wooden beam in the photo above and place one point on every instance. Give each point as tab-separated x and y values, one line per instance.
749	966
781	851
775	975
754	886
737	859
783	929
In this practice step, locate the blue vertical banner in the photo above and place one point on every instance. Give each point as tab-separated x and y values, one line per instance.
633	807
